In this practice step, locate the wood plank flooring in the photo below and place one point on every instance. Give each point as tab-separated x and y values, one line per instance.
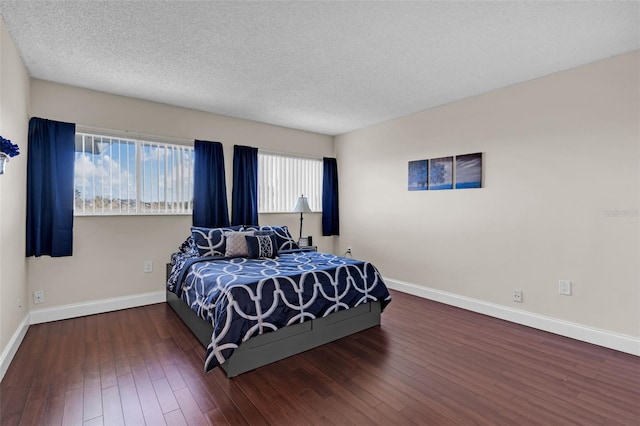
428	364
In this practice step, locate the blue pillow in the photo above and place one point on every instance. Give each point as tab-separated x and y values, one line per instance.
284	240
188	246
262	246
211	241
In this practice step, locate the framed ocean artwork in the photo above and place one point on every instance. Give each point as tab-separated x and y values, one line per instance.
418	175
469	171
441	173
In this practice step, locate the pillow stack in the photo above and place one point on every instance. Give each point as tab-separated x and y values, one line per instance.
256	242
284	240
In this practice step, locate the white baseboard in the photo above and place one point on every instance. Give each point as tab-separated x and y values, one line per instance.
12	347
96	307
38	316
607	339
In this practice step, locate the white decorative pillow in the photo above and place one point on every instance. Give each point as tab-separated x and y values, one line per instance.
236	244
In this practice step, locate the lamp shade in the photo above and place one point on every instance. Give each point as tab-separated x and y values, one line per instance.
302	206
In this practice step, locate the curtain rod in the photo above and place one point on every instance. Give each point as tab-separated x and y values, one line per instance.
131	135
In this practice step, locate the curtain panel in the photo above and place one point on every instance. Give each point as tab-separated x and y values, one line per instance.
50	161
330	212
210	208
244	203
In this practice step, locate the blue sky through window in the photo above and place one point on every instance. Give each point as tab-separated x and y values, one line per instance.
106	173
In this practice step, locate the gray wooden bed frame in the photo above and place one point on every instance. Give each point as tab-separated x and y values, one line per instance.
285	342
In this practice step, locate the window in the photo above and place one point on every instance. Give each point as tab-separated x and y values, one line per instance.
119	176
282	179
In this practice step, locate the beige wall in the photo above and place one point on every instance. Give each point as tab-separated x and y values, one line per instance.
561	155
14	100
109	251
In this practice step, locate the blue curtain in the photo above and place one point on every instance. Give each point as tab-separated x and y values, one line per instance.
244	203
210	207
50	161
330	213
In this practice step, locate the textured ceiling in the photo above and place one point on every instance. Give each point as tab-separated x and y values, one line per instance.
326	67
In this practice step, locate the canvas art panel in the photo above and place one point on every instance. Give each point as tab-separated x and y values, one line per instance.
441	173
469	171
418	175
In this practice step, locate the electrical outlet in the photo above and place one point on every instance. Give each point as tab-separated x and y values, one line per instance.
517	296
38	296
148	266
564	287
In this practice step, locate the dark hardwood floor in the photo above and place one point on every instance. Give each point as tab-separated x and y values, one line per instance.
427	364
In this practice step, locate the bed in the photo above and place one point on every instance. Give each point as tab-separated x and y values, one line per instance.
277	300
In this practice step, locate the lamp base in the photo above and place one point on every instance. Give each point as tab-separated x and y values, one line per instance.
300	236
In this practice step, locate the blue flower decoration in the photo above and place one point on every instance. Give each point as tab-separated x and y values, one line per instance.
11	149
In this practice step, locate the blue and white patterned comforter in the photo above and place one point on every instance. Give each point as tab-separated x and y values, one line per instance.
245	297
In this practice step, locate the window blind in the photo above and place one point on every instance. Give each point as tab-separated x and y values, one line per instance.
283	178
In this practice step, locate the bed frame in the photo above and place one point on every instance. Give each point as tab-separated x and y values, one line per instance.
285	342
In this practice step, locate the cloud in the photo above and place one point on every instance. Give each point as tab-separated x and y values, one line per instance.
103	176
469	170
112	174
